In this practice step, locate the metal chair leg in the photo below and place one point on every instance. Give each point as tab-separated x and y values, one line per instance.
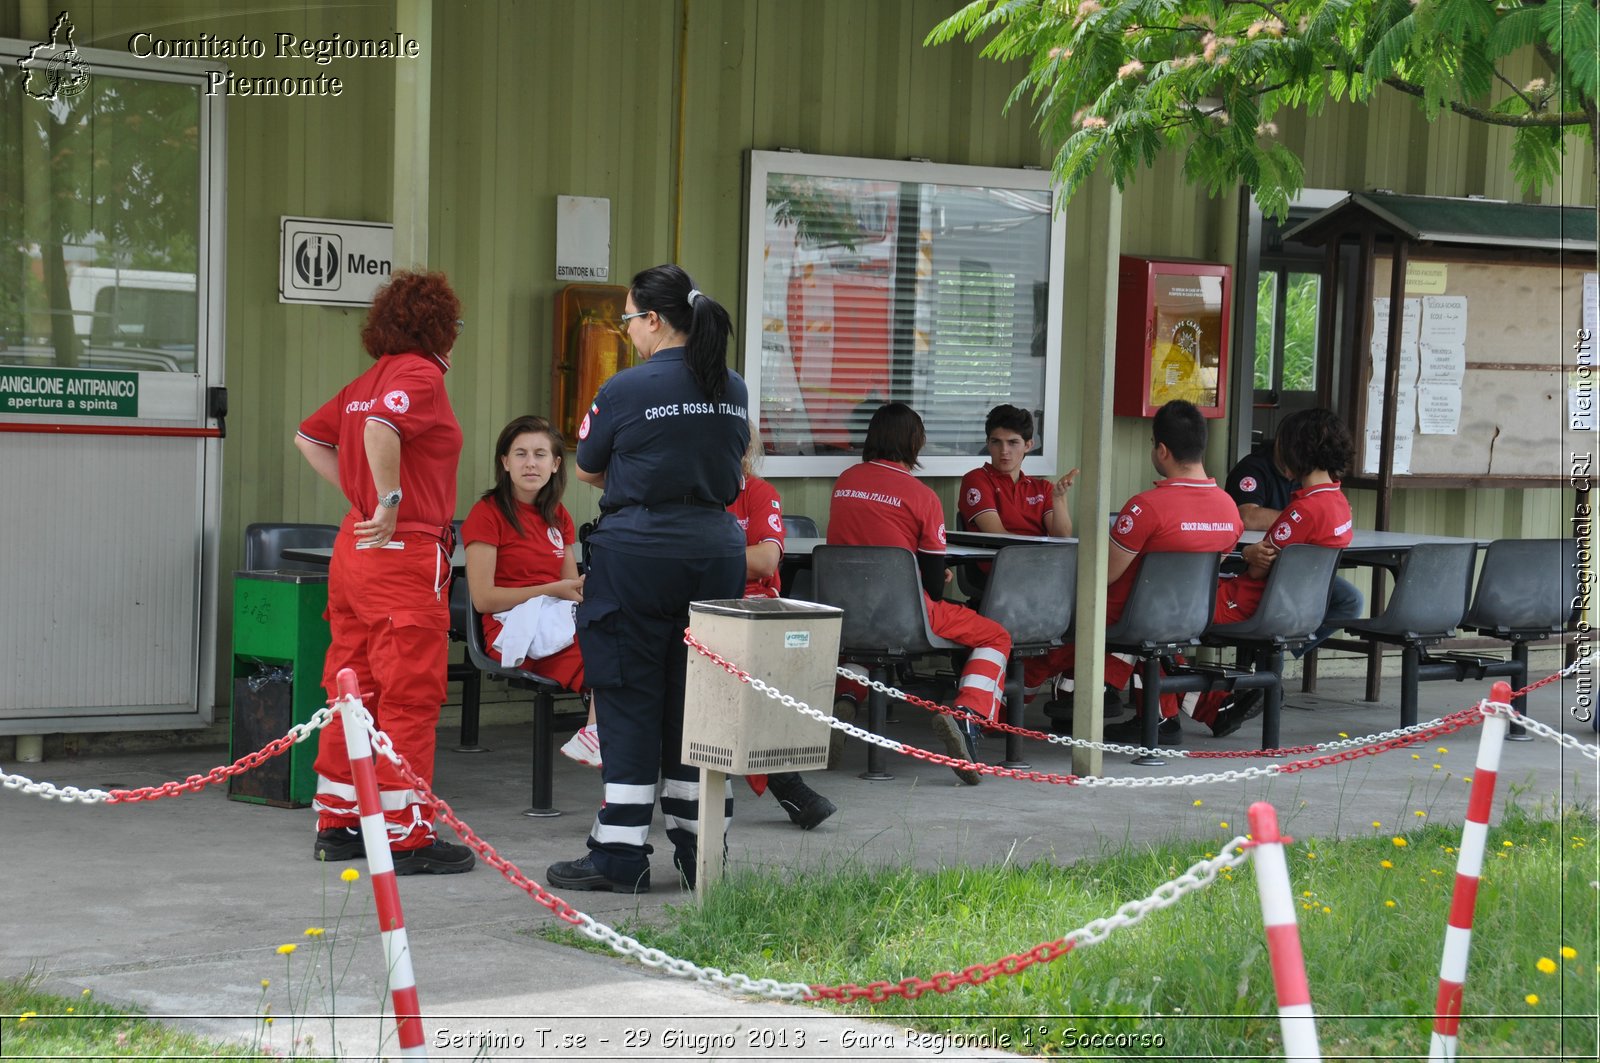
1519	658
1272	711
1410	660
544	707
471	696
1151	720
877	717
1014	710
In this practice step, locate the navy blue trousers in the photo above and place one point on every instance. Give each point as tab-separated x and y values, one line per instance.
630	628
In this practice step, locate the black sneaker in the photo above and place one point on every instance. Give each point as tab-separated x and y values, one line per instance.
339	843
805	806
955	745
581	874
1059	712
437	858
1130	732
1239	707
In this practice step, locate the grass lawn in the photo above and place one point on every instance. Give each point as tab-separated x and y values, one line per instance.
1194	979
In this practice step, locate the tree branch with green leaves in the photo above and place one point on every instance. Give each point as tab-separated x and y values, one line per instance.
1115	83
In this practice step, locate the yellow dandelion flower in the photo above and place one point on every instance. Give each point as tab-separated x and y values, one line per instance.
1377	823
349	874
265	982
284	950
1416	756
315	931
1506	845
1546	965
1210	855
1311	856
1442	749
25	1016
1466	778
1388	904
1450	849
268	1020
1532	1000
1436	767
1198	802
1400	843
1386	865
1307	907
1568	952
1326	910
71	1009
1223	824
1306	893
1420	814
1577	837
84	993
1343	735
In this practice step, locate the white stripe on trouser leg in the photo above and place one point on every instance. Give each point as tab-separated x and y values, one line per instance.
400	831
674	822
340	798
989	656
610	834
1189	702
621	793
682	789
1128	658
981	683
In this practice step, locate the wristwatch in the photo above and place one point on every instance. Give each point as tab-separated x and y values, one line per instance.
390	500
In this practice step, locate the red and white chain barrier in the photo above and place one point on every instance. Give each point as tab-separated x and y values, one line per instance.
1469	865
1296	1018
360	737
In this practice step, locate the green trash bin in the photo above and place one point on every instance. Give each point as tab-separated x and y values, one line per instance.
279	641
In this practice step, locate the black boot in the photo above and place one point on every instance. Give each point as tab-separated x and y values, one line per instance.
805	806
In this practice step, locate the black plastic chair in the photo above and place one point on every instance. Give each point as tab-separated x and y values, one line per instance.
972	579
1293	605
1168	610
885	620
1031	591
1526	590
800	526
544	715
464	671
1429	600
264	544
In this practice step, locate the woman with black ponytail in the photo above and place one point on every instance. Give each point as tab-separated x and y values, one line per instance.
664	441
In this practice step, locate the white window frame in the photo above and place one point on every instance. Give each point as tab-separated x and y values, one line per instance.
765	163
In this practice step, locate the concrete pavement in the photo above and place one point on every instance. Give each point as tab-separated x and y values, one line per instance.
179	905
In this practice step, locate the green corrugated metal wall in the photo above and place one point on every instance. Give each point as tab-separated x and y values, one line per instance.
536	99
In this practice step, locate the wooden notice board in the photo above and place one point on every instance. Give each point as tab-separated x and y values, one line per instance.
1484	372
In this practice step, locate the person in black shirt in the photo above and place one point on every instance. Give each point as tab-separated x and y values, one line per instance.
665	441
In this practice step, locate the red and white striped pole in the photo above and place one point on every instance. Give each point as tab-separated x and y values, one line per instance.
380	865
1469	865
1295	1015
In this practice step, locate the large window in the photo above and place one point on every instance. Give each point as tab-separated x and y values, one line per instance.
873	281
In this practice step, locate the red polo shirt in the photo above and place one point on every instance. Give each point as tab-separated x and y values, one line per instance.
879	503
1174	516
1021	504
760	516
528	560
1318	516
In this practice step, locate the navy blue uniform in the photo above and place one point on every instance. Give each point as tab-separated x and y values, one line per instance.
1256	481
671	458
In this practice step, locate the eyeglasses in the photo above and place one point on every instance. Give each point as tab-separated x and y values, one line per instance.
460	325
625	318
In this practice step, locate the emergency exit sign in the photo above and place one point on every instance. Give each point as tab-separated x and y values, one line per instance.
69	392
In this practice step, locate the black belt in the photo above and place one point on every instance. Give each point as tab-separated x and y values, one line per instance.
681	500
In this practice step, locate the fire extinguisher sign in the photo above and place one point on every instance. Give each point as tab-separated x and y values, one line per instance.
333	263
583	238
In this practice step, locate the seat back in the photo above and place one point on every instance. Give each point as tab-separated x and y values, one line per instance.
1526	588
881	595
1430	592
1032	588
970	578
460	610
265	543
1295	600
800	527
1171	601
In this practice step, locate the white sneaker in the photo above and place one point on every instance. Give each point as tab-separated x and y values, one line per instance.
584	746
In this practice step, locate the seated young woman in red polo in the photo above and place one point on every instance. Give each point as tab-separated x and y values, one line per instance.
521	546
1317	449
880	503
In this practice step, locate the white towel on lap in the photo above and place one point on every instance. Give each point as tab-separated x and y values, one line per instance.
535	629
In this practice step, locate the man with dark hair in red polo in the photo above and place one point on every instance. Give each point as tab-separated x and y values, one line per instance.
880	503
1184	512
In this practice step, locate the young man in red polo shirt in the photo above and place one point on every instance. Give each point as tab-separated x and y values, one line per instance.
880	503
1000	497
1184	512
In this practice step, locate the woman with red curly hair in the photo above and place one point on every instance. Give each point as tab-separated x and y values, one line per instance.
391	443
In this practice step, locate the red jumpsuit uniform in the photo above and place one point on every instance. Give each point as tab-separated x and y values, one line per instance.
879	503
1319	516
530	559
388	608
1175	516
